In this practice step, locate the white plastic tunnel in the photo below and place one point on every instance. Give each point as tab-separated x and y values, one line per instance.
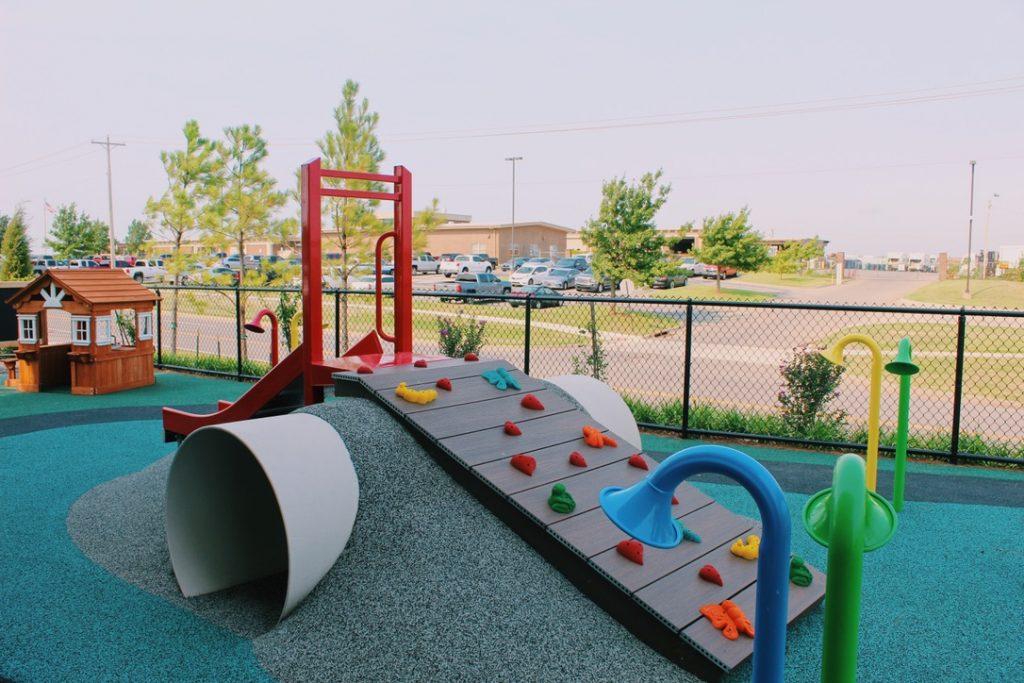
250	499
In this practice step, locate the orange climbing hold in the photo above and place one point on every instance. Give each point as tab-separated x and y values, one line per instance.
609	441
524	463
512	429
729	619
632	550
592	436
576	459
636	460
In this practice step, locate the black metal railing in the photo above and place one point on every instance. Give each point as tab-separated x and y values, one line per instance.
699	368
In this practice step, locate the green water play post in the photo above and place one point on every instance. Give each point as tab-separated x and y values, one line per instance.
849	520
904	367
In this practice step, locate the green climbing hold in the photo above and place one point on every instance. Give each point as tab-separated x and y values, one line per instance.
688	533
799	574
561	500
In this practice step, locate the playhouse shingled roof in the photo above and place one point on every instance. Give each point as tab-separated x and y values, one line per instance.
90	286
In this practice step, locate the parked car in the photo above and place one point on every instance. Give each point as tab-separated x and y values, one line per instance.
425	263
493	261
513	264
466	263
695	267
575	262
448	256
545	297
40	265
672	279
213	275
540	260
587	281
475	283
559	278
368	283
147	270
83	263
712	272
529	273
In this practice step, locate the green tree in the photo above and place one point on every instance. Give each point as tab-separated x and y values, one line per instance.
795	256
75	235
4	221
623	237
244	200
423	223
139	236
191	173
352	145
15	260
730	240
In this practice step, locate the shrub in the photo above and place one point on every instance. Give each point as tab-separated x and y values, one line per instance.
811	383
592	361
459	336
204	362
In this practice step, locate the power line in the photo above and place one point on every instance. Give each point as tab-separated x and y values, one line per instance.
43	157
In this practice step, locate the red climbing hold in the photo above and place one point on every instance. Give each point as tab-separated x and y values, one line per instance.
675	501
576	458
512	429
531	402
364	370
444	383
632	550
421	363
637	460
710	574
524	463
471	356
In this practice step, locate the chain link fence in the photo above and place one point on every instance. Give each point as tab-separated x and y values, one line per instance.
700	368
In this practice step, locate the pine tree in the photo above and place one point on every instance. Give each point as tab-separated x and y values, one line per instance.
15	260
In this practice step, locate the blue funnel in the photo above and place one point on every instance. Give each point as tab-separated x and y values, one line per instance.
644	512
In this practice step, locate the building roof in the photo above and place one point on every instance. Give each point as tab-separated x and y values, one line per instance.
503	226
89	286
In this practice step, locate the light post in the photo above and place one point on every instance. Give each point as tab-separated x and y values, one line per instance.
970	235
984	248
512	239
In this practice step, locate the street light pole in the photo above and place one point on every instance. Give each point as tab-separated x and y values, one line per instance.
970	236
984	247
110	191
512	245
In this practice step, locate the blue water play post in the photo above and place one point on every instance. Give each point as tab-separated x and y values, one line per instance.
644	511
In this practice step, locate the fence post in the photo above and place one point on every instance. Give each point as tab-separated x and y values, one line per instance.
687	356
159	332
238	332
958	386
526	340
337	323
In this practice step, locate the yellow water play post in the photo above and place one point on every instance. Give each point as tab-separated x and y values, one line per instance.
835	355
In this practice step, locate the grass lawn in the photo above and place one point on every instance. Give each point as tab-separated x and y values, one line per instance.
706	292
984	294
788	279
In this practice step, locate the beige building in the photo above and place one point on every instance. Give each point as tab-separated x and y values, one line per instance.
675	239
532	238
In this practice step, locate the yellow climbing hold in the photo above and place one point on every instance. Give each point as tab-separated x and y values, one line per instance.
748	550
421	396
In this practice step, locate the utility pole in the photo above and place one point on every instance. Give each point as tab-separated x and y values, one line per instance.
984	247
110	188
513	238
970	236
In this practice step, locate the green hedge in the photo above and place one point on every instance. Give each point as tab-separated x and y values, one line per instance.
210	363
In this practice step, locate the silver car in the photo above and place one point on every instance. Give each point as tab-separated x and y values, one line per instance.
529	274
559	278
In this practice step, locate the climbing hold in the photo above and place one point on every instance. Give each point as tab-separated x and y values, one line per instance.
675	501
560	500
609	441
592	437
632	550
576	459
799	574
636	460
531	402
495	378
364	370
509	379
747	550
710	574
471	356
729	619
512	429
524	463
421	363
688	533
444	383
421	396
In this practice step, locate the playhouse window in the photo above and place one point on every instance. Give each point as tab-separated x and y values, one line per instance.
28	331
103	334
145	325
80	330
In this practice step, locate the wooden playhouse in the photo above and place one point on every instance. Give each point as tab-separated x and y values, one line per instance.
91	329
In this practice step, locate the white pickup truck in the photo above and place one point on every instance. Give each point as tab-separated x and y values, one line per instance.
421	263
466	263
147	270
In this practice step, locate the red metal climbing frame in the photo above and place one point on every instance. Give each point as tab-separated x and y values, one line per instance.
307	361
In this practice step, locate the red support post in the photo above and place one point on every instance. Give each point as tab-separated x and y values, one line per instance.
312	282
403	265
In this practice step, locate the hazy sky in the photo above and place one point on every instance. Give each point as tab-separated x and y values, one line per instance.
450	79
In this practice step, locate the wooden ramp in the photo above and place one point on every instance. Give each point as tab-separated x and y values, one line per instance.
658	601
